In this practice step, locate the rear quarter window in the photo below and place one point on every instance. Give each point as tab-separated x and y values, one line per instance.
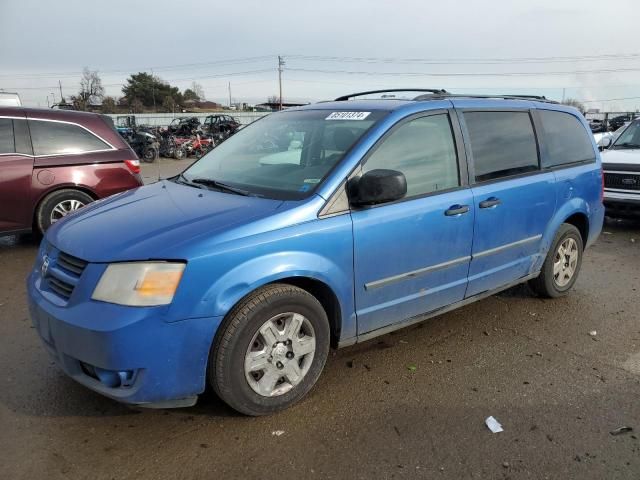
565	139
7	142
57	138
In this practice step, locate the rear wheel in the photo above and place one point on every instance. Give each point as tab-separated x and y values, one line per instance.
271	350
562	265
58	205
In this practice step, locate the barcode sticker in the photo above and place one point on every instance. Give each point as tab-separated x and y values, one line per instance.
348	116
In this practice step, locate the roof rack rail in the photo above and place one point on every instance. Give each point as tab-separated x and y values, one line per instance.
433	91
538	98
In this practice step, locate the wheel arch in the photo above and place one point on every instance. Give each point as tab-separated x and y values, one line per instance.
575	212
581	222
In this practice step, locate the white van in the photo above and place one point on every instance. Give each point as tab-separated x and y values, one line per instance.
10	100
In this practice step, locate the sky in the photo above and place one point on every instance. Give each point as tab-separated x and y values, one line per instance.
573	48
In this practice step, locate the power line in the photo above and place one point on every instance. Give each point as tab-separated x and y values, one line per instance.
217	75
156	68
466	74
464	61
610	100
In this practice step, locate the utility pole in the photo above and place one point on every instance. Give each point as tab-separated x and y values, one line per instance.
153	94
229	95
280	68
60	85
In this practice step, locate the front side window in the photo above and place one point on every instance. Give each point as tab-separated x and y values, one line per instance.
502	144
565	139
56	138
7	142
424	151
629	138
284	155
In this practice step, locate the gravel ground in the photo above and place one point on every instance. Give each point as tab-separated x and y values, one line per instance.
530	363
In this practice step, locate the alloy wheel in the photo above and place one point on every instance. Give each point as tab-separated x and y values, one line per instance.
64	208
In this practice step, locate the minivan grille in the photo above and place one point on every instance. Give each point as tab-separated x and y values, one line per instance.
63	274
622	181
72	264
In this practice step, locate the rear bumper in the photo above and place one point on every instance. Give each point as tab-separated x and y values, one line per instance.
128	354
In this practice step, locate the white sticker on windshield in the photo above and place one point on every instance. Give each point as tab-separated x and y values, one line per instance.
348	116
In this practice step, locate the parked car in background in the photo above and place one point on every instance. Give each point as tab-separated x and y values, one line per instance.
184	126
621	165
605	139
618	121
369	216
9	99
53	162
220	125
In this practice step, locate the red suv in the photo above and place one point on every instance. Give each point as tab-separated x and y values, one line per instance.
53	162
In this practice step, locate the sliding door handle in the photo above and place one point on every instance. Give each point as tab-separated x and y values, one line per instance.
490	202
456	210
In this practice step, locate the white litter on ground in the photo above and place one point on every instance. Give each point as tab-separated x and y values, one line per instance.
593	333
277	433
493	425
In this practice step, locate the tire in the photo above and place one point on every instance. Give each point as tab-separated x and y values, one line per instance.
552	284
240	339
149	155
52	206
179	153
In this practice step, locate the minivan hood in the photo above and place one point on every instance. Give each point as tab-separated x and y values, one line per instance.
624	156
153	222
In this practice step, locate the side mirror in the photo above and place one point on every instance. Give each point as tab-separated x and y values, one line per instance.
605	143
378	186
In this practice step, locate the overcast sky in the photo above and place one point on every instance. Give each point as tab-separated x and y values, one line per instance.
364	44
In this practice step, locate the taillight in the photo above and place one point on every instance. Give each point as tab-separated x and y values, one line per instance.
133	165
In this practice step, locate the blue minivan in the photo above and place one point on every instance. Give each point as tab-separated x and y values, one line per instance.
312	228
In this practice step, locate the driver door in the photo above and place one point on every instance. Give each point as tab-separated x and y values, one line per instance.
412	256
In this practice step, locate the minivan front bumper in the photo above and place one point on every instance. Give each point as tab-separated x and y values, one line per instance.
129	354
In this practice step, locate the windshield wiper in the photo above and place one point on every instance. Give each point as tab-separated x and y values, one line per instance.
209	182
184	181
627	145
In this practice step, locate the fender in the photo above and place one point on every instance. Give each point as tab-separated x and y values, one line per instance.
245	278
568	208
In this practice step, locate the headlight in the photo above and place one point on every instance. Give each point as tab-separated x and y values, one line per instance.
139	284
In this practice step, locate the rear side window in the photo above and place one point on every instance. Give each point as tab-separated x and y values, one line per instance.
502	144
7	142
565	139
424	151
55	138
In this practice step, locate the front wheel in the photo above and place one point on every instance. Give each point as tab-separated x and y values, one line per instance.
270	350
562	265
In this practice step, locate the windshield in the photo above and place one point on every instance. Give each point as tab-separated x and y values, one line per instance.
284	155
630	138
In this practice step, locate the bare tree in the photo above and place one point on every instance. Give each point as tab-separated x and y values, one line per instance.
198	90
109	105
91	90
572	102
273	99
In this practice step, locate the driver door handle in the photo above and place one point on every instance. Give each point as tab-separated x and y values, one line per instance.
490	202
456	210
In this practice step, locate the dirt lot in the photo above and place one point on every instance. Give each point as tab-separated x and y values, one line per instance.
530	363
